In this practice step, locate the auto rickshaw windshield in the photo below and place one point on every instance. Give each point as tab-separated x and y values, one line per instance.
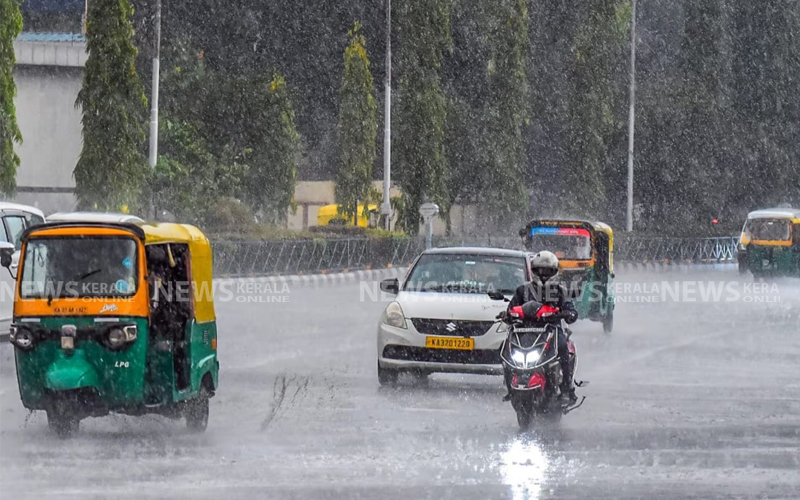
79	267
566	243
769	229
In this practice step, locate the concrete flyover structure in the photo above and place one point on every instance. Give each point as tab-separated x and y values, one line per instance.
48	77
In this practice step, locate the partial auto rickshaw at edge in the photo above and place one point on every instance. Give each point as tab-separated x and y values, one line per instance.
585	251
115	317
770	243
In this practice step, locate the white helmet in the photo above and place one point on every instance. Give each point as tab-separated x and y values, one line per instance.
544	265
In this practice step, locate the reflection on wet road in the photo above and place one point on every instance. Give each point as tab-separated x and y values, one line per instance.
687	400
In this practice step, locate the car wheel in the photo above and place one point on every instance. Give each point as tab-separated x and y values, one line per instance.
387	376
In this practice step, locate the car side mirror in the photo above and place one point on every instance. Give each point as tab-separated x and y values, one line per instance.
496	295
6	254
390	285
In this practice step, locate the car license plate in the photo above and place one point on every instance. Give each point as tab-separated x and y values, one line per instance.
458	343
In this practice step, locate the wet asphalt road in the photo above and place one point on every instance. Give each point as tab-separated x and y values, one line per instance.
687	400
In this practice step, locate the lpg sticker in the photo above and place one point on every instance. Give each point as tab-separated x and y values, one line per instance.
121	286
122	364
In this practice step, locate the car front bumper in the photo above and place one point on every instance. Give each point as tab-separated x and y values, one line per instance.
404	348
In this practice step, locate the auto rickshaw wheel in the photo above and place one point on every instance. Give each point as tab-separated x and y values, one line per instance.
197	410
61	421
608	322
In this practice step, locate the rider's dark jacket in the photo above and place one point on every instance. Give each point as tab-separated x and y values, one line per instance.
550	293
531	296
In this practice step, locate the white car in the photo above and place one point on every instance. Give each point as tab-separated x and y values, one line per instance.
93	217
15	220
442	319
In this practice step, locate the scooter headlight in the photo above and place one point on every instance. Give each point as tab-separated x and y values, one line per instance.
526	360
532	358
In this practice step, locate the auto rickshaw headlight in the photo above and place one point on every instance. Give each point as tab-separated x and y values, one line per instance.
116	338
22	338
120	337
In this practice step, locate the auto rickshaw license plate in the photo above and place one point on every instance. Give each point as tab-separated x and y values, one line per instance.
458	343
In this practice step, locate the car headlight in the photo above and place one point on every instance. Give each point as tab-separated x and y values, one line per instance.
393	316
502	327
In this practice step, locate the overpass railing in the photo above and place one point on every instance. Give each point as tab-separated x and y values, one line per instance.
287	257
685	250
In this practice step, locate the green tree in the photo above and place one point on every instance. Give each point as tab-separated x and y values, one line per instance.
594	120
421	164
703	101
188	173
506	112
357	127
112	167
766	66
10	27
271	178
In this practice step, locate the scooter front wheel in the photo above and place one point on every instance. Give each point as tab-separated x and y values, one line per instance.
522	405
523	418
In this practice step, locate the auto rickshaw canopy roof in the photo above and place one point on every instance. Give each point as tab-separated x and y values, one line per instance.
792	214
592	225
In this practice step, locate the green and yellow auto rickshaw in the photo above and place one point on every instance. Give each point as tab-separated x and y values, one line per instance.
585	251
770	243
115	317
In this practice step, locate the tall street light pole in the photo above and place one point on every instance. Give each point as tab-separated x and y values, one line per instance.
154	98
386	207
631	119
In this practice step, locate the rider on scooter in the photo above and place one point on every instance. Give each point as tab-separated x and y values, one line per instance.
541	301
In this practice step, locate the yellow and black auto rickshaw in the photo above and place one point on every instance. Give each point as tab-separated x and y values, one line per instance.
330	215
770	243
585	251
115	317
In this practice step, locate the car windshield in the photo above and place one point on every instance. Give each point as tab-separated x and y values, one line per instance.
769	229
79	267
566	243
465	273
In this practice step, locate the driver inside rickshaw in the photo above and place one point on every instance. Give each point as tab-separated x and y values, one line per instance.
565	247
